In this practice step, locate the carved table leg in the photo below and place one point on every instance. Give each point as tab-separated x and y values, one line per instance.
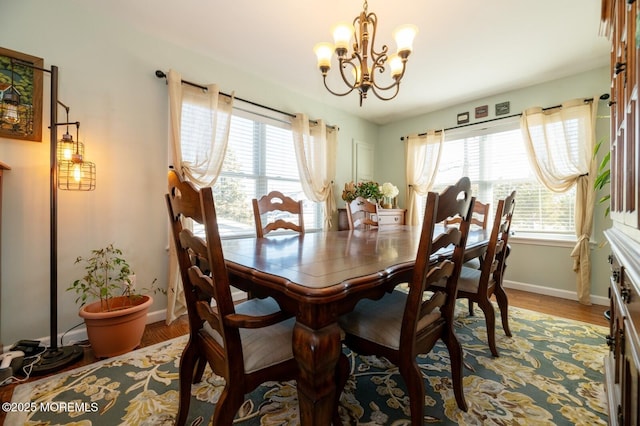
317	353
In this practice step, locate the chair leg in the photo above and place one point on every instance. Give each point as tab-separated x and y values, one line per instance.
342	375
188	363
201	364
412	377
470	307
503	304
490	320
455	356
227	407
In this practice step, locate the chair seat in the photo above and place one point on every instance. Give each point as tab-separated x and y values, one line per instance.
472	263
380	321
261	347
469	280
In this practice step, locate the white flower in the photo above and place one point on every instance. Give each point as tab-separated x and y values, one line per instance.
389	190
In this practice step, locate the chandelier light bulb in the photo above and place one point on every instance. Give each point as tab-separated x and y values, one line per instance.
395	65
342	33
323	52
404	36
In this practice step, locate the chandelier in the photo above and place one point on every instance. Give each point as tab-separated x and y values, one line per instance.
359	67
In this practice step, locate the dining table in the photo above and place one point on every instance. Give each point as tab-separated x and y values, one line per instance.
319	276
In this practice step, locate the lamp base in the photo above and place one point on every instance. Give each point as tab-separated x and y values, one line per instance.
53	360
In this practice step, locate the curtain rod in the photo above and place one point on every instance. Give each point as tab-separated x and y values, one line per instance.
162	74
603	97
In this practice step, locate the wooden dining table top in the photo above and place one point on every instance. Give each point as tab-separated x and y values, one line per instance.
327	262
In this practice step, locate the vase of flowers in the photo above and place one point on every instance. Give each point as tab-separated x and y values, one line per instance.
389	191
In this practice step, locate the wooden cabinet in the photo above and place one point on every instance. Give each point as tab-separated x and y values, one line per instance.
620	16
386	217
622	365
390	217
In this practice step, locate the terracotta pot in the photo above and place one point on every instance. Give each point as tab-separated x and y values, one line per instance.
117	331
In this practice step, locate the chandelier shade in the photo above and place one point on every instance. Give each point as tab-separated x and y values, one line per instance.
360	37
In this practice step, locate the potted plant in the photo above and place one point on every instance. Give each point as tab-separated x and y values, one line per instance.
366	189
116	317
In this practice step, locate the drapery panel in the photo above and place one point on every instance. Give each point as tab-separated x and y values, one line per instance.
199	122
560	143
315	146
423	158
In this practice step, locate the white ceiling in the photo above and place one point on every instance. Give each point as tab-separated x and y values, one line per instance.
464	50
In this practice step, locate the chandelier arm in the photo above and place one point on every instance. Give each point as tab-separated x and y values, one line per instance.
372	19
324	79
375	90
343	64
392	85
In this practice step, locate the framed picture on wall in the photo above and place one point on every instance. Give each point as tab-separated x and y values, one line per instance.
20	96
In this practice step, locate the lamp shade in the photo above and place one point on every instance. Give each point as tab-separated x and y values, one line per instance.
323	52
395	65
76	175
67	148
404	36
342	33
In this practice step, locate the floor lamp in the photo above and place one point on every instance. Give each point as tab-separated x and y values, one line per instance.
77	174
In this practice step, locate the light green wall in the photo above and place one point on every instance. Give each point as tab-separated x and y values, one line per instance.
107	78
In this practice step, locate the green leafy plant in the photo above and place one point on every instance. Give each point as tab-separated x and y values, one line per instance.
603	178
368	190
107	275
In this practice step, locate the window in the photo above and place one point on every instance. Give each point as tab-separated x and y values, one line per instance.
260	158
496	162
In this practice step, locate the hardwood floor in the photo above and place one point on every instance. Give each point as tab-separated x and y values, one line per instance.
159	332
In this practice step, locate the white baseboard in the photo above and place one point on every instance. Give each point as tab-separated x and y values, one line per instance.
548	291
80	334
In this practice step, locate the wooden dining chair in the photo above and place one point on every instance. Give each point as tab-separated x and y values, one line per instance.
402	325
478	285
246	344
362	214
480	218
276	201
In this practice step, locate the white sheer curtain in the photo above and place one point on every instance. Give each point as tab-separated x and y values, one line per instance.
199	122
560	144
423	159
315	145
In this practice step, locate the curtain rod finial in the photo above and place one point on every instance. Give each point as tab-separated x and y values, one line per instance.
161	74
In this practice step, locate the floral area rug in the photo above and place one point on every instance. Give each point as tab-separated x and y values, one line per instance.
549	373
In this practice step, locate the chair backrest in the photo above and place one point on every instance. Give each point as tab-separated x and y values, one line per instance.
360	214
276	201
479	218
429	268
495	256
200	259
